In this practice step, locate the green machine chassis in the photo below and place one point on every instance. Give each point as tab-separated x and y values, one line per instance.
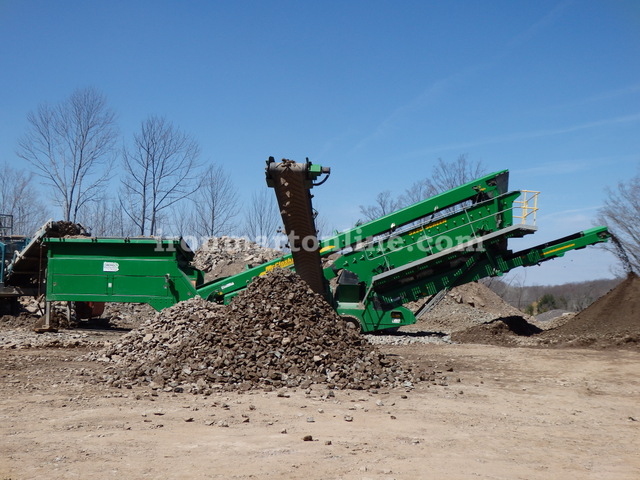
374	269
138	270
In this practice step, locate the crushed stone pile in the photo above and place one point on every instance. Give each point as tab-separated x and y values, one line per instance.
473	313
277	333
127	315
551	321
30	310
23	320
611	321
466	306
64	228
225	256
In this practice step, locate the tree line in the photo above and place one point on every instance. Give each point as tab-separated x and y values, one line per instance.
536	299
73	149
163	188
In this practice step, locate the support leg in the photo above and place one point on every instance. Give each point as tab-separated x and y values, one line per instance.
44	323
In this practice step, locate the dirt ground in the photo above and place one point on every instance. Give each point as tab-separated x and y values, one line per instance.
498	413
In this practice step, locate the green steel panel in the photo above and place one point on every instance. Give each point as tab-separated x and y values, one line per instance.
77	285
140	286
150	271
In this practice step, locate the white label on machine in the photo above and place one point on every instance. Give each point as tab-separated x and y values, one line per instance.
110	266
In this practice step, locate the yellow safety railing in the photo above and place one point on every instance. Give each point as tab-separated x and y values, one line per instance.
528	205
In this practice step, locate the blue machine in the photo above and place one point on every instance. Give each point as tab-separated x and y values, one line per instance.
9	244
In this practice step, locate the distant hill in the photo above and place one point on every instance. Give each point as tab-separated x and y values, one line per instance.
575	296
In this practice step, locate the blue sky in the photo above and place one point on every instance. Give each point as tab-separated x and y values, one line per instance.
377	90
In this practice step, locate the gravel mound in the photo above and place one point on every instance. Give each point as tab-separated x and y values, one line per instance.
555	322
225	256
611	321
463	307
24	320
127	315
473	313
276	333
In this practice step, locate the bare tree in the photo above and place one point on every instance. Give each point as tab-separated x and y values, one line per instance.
512	288
384	205
216	204
19	198
621	213
160	169
70	145
184	219
262	219
323	228
448	175
417	192
104	217
444	176
574	296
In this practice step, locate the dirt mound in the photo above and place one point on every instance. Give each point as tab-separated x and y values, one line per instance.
611	321
503	331
23	320
225	256
466	306
277	333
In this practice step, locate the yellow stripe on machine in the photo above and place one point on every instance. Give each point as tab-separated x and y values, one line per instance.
327	248
559	248
431	225
281	264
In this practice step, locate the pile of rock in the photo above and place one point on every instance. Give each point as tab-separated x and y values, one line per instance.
277	333
127	315
466	306
63	228
225	256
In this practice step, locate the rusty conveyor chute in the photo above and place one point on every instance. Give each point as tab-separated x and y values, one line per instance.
292	182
